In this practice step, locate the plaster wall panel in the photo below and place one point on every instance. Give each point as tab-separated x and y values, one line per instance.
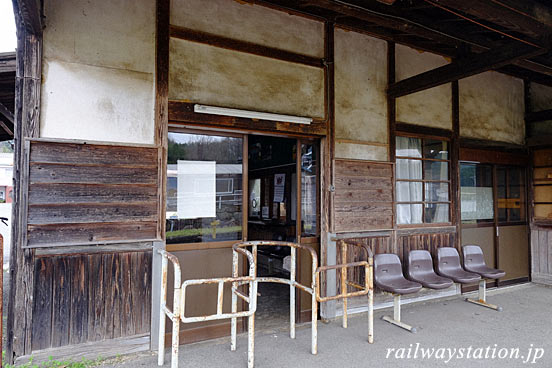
361	152
116	34
96	103
360	84
252	23
541	97
215	76
98	65
431	107
492	107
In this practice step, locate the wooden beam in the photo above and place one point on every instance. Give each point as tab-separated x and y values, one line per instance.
6	113
398	25
244	46
518	16
333	10
31	15
182	113
534	117
26	119
463	68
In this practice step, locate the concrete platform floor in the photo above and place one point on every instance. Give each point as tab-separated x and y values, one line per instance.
443	325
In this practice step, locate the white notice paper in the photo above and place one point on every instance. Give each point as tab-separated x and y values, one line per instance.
196	188
279	187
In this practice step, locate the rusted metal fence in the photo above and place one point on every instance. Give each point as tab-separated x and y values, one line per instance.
366	289
177	314
293	284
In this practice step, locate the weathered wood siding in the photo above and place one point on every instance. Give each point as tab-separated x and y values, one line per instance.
363	198
90	193
90	297
541	255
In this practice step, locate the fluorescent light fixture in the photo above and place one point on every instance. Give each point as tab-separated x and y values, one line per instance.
214	110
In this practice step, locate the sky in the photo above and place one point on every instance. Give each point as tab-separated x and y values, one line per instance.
8	40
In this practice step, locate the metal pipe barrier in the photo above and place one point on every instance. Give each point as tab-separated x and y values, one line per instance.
366	289
177	314
293	284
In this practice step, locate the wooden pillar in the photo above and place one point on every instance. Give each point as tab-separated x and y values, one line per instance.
162	26
26	125
327	253
455	165
391	129
162	102
329	46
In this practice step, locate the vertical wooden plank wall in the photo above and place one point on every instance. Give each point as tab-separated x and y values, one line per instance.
407	240
541	222
90	297
541	255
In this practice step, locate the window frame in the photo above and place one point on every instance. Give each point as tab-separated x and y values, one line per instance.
423	180
174	247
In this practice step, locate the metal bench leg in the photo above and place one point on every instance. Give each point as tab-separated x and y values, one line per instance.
396	320
482	301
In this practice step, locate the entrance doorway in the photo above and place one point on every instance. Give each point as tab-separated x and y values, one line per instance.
283	183
224	188
494	216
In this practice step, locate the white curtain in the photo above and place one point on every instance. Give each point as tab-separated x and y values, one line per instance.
441	194
409	191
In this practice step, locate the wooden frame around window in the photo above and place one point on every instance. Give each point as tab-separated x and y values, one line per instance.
245	183
423	180
175	247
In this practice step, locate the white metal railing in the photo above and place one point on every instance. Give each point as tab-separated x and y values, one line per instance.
292	285
177	314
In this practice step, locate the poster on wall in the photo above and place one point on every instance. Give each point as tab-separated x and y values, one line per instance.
196	189
279	187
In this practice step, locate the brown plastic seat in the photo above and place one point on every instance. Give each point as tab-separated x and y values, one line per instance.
420	269
389	277
448	265
475	262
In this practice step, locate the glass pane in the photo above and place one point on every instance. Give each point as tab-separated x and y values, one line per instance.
436	213
204	188
476	193
435	149
436	192
309	173
408	147
435	170
409	169
511	194
501	193
255	198
409	213
408	191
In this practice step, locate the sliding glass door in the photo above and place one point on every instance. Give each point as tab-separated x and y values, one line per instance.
494	216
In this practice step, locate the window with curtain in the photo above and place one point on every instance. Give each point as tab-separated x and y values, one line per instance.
422	181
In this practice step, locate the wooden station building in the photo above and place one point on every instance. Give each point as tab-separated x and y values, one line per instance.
411	124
